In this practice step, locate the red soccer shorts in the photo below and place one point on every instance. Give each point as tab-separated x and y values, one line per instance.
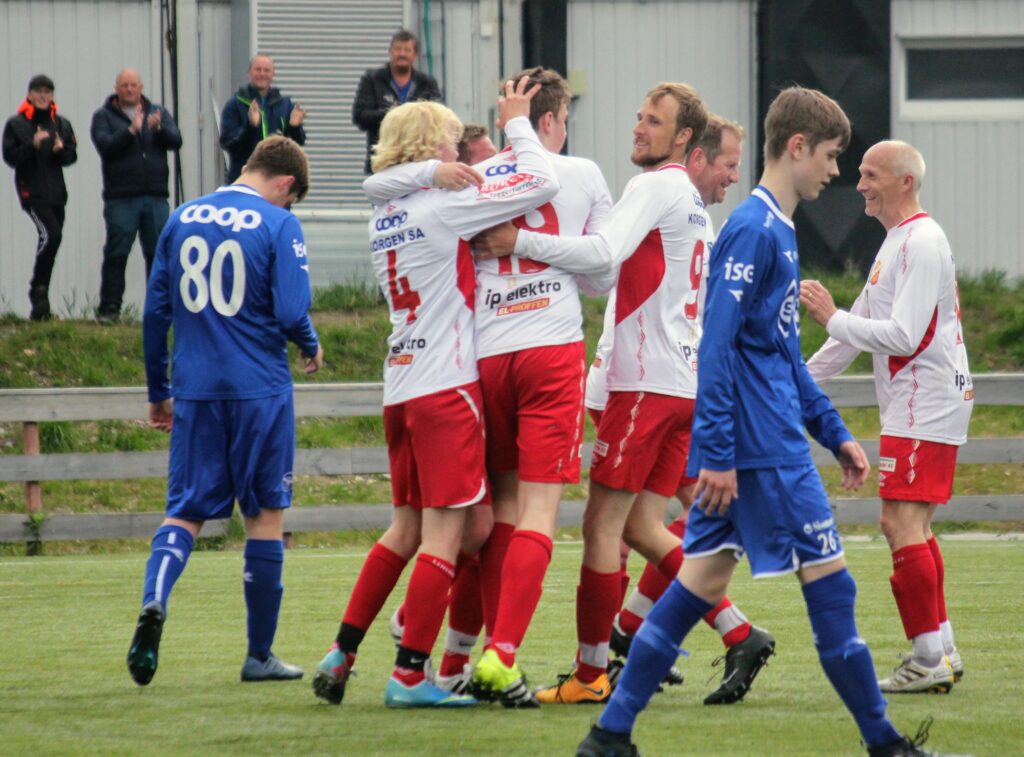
912	470
533	403
436	449
642	442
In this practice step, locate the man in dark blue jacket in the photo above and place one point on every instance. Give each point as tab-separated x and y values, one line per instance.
132	136
37	144
256	111
381	89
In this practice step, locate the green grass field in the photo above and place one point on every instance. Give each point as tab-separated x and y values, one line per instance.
65	624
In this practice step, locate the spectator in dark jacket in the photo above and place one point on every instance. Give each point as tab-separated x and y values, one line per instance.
37	144
381	89
255	112
132	136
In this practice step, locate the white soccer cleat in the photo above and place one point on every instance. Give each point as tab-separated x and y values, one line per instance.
957	663
396	628
910	677
456	684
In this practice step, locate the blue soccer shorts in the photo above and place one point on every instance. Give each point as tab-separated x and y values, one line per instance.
223	450
782	520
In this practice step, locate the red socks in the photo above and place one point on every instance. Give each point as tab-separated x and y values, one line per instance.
597	600
940	578
492	557
380	572
730	623
914	585
426	600
465	615
522	581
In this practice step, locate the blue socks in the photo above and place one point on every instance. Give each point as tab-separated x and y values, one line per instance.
169	552
264	559
655	647
845	657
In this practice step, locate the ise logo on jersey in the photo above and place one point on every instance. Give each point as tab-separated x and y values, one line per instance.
741	272
789	315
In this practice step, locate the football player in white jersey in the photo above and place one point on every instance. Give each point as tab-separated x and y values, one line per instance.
529	327
908	316
432	403
713	165
655	238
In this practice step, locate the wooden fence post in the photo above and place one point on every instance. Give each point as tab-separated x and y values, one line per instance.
33	490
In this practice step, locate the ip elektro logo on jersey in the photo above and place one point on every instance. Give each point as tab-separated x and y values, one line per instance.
234	218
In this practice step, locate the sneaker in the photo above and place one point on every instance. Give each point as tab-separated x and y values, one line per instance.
570	690
331	676
108	318
910	677
957	663
456	684
620	644
907	747
743	662
602	743
271	669
396	628
494	680
39	297
423	694
145	647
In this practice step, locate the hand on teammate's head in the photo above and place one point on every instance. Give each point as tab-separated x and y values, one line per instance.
516	100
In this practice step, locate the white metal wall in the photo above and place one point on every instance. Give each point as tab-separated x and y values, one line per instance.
81	46
619	50
975	177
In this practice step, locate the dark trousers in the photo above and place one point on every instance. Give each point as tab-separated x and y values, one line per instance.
144	216
49	221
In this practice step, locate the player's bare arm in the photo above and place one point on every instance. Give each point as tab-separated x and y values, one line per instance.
716	490
855	465
818	301
161	415
496	242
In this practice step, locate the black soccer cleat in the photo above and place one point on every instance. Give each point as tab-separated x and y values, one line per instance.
145	648
602	743
742	664
907	747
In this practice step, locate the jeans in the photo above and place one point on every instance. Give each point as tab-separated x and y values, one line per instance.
124	218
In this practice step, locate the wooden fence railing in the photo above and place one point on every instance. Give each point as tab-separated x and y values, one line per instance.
30	407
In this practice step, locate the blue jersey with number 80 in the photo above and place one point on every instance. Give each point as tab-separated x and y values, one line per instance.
232	277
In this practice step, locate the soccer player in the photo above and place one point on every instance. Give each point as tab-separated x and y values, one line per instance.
231	276
655	238
713	166
433	407
476	145
908	316
759	492
529	328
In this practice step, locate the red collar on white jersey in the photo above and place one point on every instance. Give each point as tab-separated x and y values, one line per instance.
680	166
912	218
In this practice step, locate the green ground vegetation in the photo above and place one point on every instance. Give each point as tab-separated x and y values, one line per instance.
67	623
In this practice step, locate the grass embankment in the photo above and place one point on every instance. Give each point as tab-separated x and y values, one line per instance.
353	326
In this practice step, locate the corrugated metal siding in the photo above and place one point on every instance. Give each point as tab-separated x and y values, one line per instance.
622	49
974	180
321	48
86	44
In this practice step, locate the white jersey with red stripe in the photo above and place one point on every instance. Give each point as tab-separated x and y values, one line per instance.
597	375
521	303
425	268
908	316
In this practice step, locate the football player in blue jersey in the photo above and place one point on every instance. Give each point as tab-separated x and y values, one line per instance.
231	276
759	491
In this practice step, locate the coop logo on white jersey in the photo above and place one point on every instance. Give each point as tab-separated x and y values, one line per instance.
789	315
232	217
501	169
389	222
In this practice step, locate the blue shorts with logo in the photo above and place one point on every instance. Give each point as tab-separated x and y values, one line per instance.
782	519
223	450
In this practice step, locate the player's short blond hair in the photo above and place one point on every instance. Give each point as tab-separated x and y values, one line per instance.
281	156
691	114
711	141
413	132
